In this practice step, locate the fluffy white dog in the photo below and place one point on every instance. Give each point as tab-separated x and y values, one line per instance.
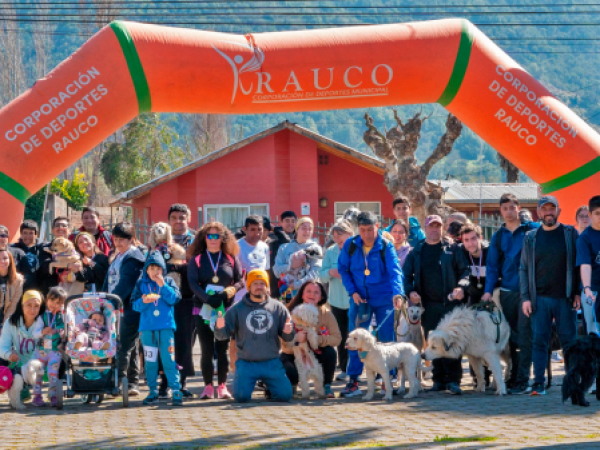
479	335
306	318
381	358
29	374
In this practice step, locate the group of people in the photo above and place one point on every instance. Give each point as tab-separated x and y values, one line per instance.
237	292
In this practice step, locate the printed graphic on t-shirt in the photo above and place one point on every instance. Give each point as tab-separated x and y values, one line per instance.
259	322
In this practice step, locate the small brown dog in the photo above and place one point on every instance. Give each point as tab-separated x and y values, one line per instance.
63	253
177	258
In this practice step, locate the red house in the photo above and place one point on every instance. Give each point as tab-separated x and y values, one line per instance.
286	167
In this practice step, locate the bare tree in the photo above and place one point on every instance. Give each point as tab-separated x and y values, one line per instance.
13	76
512	171
403	176
209	132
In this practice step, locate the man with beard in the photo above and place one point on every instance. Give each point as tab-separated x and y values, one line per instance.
549	284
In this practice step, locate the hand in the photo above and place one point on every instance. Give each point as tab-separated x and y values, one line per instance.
301	336
398	301
158	279
358	299
145	299
298	260
334	273
414	297
486	297
47	331
527	310
13	357
75	267
458	294
220	321
86	261
590	294
230	290
287	329
577	302
216	300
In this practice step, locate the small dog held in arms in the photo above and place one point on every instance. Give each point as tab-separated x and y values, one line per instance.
479	335
160	236
306	318
582	366
177	258
29	374
381	358
63	253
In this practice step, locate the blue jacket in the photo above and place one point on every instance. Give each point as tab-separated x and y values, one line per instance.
385	280
169	295
415	234
511	245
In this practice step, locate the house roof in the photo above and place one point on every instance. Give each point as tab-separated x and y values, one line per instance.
323	143
457	192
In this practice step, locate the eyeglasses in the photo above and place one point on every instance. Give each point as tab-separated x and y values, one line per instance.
213	237
61	225
3	236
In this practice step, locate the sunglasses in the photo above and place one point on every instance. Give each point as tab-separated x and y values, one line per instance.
213	237
3	236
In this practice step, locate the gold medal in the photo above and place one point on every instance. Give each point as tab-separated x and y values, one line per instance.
215	279
367	272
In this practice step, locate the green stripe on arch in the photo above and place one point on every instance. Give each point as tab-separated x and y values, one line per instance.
573	177
134	64
460	65
14	188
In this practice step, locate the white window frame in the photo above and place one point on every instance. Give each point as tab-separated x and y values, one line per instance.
356	205
206	207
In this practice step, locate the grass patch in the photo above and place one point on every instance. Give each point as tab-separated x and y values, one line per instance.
592	436
465	439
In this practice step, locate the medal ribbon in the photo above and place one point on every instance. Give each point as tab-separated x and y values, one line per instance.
367	271
214	267
477	269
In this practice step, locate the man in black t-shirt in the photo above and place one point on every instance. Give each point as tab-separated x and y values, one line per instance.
436	274
549	284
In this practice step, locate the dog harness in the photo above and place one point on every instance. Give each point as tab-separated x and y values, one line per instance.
494	312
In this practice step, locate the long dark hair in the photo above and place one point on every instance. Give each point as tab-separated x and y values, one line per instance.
229	245
297	300
12	270
19	314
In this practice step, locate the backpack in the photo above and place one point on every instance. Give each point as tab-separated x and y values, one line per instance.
352	248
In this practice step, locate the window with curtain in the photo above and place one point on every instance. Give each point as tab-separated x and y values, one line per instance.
233	216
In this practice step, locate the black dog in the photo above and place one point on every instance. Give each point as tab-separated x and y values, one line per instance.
582	361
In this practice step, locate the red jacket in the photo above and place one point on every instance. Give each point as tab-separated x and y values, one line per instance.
103	239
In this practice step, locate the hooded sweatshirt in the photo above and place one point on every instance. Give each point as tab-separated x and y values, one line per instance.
19	339
256	328
159	316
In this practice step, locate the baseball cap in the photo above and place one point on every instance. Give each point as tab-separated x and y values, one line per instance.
433	219
548	199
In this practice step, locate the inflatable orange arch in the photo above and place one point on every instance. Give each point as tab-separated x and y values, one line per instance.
128	68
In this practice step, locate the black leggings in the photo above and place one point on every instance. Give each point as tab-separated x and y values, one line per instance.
341	316
208	345
327	358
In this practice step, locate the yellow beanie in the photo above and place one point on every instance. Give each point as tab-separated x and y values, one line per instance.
256	274
32	294
302	220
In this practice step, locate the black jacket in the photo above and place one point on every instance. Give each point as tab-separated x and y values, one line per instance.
455	270
95	275
278	238
29	264
527	267
229	274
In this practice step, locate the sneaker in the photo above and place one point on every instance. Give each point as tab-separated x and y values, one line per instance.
351	389
437	387
378	381
222	391
186	394
152	398
25	394
394	379
520	389
556	357
164	393
53	401
454	388
538	389
177	398
134	390
261	386
38	400
328	392
342	376
208	392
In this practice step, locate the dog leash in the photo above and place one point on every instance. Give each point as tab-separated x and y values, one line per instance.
390	312
495	314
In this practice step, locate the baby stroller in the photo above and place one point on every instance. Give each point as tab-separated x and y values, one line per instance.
92	373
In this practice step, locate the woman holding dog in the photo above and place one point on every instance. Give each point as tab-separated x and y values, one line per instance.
215	275
93	266
11	285
399	231
313	292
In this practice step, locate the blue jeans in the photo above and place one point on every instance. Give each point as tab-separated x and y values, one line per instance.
271	372
561	310
385	333
164	341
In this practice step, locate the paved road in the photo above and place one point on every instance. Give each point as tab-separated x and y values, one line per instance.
508	422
